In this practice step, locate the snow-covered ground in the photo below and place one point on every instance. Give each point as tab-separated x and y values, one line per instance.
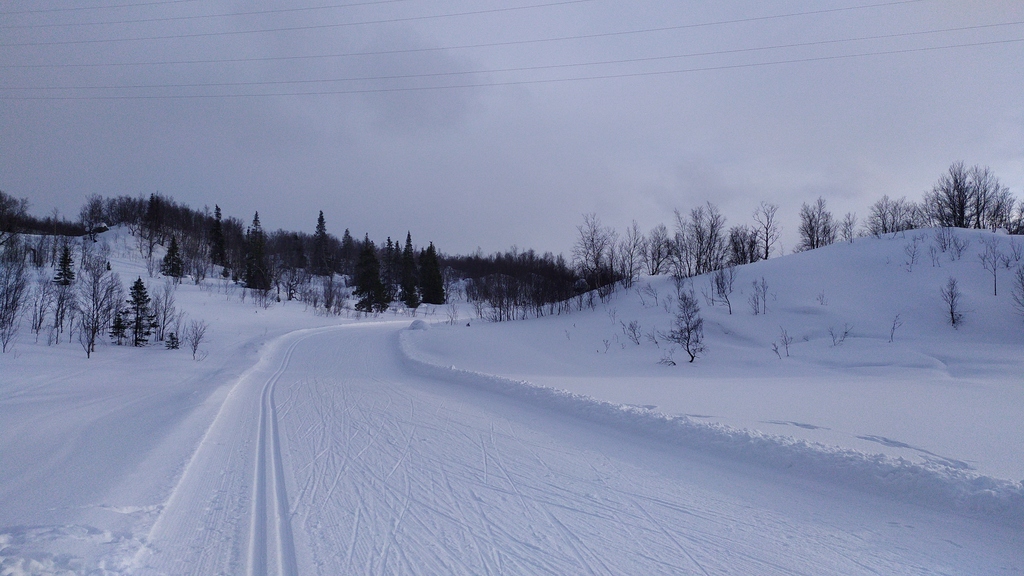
304	444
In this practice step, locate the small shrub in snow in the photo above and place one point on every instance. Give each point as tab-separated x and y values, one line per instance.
785	339
896	323
172	342
957	247
838	337
632	331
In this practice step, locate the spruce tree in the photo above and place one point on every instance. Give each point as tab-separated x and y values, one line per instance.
217	252
409	293
319	262
119	327
431	281
389	271
369	288
256	275
347	253
172	265
141	320
65	267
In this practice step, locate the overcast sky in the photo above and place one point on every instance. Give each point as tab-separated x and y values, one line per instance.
492	123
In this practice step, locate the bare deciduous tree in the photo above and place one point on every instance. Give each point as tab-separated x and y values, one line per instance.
953	298
13	283
630	254
165	311
970	198
887	216
657	249
195	335
593	253
759	297
817	226
848	227
743	245
99	295
992	259
722	282
768	229
688	325
1018	290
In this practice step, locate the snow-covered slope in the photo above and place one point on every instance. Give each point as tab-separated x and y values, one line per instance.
945	398
308	444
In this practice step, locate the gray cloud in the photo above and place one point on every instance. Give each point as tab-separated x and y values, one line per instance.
504	164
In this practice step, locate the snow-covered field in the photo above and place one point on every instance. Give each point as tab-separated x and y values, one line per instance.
303	444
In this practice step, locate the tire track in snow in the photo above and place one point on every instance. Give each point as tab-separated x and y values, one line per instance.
268	484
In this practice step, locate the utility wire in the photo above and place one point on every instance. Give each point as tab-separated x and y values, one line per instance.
449	15
198	17
392	51
524	68
310	26
525	82
81	8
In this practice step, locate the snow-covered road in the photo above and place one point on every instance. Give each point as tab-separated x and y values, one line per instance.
333	456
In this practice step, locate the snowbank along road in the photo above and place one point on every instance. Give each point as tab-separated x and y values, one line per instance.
332	456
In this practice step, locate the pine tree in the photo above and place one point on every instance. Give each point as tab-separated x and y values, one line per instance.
431	281
369	288
217	252
65	267
409	293
172	264
141	320
173	343
319	263
256	274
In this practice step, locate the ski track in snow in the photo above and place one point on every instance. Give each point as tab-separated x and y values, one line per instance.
268	481
331	457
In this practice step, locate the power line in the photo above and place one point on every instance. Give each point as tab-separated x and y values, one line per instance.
449	15
527	68
526	82
396	51
309	27
180	18
81	8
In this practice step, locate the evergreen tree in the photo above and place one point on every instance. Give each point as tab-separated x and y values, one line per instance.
369	288
256	274
172	265
119	327
320	266
173	343
141	320
65	267
348	251
297	258
389	271
409	294
217	251
431	281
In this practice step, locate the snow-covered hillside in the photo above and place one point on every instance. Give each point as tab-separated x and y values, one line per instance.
924	391
311	444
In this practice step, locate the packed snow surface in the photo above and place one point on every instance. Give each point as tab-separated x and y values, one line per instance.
311	445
